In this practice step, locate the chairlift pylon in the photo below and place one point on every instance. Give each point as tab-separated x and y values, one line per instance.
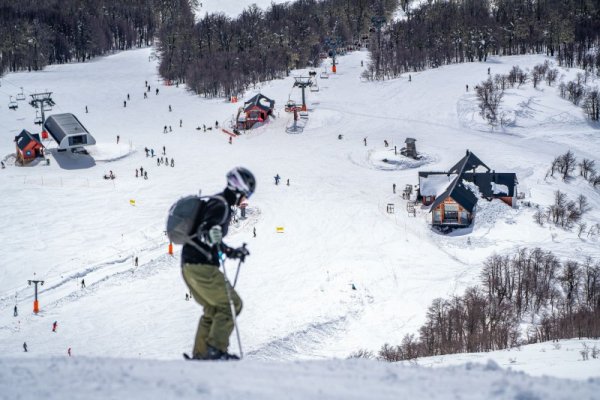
12	104
21	95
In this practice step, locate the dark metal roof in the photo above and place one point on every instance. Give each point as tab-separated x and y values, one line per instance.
261	101
26	137
459	193
469	162
61	125
484	181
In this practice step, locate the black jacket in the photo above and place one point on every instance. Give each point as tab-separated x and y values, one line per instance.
217	211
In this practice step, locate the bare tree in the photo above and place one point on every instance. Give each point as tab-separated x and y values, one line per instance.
586	168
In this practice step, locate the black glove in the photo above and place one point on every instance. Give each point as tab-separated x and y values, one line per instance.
239	253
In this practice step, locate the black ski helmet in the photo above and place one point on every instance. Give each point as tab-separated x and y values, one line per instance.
241	181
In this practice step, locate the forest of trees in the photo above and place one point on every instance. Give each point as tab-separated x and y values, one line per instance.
36	33
453	31
221	56
559	299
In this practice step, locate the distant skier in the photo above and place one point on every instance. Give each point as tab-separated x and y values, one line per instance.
166	160
187	297
180	123
254	231
152	152
158	162
118	138
170	129
488	70
340	136
83	283
288	182
157	91
124	103
216	124
54	325
127	96
385	143
69	352
365	140
230	140
141	170
25	347
165	129
148	87
200	267
15	313
395	151
467	86
145	95
136	261
145	174
172	163
86	109
170	109
277	178
160	159
204	126
394	188
164	151
409	78
353	287
136	173
147	151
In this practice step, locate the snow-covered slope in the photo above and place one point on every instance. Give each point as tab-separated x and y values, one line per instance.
63	222
102	378
231	8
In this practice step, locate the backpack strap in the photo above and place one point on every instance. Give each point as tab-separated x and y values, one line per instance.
190	241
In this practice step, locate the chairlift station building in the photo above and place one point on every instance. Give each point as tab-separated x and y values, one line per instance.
68	132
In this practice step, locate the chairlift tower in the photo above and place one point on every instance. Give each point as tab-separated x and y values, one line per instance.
333	44
36	306
43	101
303	82
378	22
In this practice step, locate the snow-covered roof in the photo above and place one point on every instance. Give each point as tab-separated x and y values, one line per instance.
435	184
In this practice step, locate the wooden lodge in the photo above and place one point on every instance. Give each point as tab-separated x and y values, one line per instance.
28	146
256	110
452	195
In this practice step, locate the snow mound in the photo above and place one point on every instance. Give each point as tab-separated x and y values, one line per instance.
104	378
107	152
388	161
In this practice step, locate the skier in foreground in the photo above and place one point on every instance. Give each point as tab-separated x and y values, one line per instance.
201	268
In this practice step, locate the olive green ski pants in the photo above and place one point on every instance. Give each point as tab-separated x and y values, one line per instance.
207	285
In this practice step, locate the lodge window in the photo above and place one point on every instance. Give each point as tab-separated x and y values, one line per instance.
451	213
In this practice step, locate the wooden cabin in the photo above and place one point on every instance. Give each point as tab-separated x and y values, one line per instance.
256	110
28	146
452	201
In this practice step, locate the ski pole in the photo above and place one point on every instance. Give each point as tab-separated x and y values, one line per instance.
233	314
237	273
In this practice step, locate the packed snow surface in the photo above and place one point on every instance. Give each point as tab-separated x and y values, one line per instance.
62	223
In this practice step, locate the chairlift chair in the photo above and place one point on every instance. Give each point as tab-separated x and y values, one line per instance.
314	87
324	75
47	107
38	119
21	95
12	104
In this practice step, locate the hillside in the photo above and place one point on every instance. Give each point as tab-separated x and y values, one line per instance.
63	222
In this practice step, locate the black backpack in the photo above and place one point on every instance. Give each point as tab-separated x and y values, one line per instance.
181	222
